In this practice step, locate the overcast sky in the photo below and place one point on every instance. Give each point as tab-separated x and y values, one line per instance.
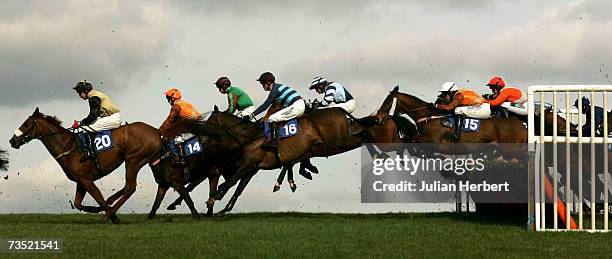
134	50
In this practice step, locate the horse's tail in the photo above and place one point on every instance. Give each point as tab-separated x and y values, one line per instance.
4	161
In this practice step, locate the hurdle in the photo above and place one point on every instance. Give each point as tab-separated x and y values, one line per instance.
540	186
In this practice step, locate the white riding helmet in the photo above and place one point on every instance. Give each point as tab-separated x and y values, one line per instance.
448	87
316	81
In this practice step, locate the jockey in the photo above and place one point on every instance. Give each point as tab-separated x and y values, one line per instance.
334	93
103	114
180	110
510	98
294	105
238	101
464	102
599	114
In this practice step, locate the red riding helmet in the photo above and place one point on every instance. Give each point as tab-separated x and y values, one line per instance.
496	81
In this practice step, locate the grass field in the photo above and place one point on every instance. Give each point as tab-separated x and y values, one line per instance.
288	235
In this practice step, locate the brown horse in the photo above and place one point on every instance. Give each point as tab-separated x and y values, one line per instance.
4	161
306	167
427	124
137	144
322	133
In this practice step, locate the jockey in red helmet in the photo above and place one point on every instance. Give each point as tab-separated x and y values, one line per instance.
511	98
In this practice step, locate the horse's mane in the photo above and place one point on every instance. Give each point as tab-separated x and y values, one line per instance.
196	127
52	119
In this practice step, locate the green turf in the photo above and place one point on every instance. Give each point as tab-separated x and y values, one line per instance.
289	235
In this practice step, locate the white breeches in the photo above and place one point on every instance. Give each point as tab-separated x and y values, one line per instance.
482	111
516	108
348	106
105	123
289	112
245	112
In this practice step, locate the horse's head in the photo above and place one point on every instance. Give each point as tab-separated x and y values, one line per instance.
388	106
397	102
35	126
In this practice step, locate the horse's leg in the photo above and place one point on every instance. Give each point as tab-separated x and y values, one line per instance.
213	183
189	188
114	197
78	199
243	183
303	172
279	180
131	172
225	186
290	179
161	192
372	151
310	167
93	190
185	194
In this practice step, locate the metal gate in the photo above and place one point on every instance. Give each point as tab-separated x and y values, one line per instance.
539	145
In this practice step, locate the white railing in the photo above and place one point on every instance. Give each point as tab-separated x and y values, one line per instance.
537	165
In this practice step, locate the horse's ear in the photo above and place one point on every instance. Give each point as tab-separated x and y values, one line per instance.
216	108
395	89
37	111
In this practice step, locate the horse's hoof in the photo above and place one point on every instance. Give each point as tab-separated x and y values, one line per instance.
293	186
196	216
306	174
105	218
209	212
313	170
171	207
276	188
220	214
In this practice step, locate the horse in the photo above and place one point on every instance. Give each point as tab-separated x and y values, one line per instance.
429	129
201	166
306	167
323	132
4	160
136	144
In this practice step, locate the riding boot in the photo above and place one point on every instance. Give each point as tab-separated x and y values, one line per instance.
181	155
88	152
457	130
271	143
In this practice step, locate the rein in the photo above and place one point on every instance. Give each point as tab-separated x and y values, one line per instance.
34	128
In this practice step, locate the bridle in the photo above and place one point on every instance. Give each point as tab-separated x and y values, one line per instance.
27	137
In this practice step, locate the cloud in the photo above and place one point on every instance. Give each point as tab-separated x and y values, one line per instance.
555	48
46	47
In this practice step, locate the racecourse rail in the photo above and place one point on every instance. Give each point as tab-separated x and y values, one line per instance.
537	172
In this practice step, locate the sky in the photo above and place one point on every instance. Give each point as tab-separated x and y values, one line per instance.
135	50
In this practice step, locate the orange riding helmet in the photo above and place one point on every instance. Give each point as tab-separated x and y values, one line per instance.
173	94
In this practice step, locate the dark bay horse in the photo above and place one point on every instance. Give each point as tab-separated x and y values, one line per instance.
4	161
201	166
136	144
322	133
